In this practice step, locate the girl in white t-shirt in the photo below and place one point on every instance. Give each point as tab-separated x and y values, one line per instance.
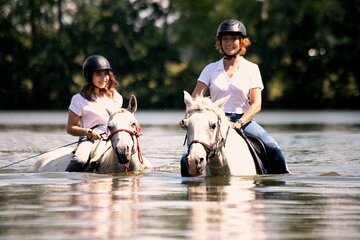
90	109
240	79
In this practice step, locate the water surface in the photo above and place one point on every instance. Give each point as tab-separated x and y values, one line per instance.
319	200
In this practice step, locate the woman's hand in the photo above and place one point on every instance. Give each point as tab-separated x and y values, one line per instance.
93	135
237	124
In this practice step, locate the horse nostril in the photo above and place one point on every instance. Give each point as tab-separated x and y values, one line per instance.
199	161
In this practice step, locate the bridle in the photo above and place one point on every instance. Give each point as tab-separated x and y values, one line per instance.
210	149
134	136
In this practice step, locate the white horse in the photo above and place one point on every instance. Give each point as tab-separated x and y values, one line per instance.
120	152
214	147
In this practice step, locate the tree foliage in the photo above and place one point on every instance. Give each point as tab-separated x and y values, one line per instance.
307	50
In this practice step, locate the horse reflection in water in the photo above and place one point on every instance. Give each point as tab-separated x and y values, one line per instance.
120	152
227	209
214	148
99	208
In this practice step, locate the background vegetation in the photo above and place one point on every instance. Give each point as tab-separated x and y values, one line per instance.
308	51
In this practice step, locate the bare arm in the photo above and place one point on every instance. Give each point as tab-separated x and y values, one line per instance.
74	129
200	89
255	107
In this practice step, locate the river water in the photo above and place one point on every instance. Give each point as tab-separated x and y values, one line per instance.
320	199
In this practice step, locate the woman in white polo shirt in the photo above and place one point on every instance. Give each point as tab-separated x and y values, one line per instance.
90	108
240	79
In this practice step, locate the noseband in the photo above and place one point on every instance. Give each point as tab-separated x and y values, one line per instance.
211	149
134	135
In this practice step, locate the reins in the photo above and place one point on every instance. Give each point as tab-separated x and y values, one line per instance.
37	155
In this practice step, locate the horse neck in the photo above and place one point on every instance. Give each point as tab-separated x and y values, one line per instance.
237	155
135	164
217	164
108	163
232	155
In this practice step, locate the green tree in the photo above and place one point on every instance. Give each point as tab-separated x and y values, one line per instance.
307	50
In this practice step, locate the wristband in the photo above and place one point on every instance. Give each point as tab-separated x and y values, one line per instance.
241	123
89	131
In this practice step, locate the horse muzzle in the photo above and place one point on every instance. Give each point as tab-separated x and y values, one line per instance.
123	155
196	165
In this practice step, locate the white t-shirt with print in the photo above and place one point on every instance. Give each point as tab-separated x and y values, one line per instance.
246	77
97	112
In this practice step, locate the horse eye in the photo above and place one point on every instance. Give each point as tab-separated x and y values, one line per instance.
182	124
213	126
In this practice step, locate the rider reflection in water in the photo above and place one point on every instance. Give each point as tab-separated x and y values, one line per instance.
89	109
240	79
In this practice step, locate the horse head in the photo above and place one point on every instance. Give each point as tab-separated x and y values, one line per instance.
124	132
206	125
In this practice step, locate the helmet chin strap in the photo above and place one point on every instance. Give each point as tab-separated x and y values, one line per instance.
229	57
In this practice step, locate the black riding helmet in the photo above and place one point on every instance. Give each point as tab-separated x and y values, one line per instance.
94	63
231	26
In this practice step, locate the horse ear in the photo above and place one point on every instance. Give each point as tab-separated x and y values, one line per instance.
132	104
221	102
188	99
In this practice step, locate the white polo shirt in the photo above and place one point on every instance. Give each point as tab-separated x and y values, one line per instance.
97	112
246	77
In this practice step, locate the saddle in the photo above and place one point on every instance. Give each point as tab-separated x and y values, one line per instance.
258	152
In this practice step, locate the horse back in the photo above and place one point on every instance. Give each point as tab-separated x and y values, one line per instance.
54	161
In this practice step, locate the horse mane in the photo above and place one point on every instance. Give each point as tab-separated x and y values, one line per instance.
204	104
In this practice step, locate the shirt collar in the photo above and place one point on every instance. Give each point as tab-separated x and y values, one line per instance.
220	64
